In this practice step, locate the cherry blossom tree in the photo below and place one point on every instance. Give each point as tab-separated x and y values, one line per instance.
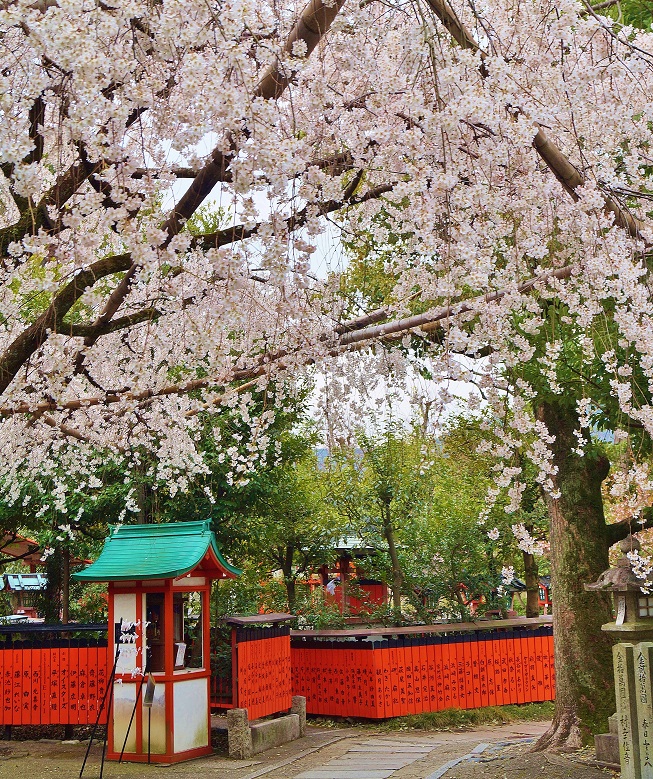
508	146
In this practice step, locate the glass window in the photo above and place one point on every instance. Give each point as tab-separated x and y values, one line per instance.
187	609
154	632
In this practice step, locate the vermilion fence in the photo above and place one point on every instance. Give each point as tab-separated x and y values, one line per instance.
59	677
251	668
263	670
408	674
52	678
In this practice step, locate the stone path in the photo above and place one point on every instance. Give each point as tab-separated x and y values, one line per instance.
325	753
373	759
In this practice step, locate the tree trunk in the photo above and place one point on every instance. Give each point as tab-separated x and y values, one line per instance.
291	593
531	575
288	578
579	553
397	573
65	586
344	584
49	600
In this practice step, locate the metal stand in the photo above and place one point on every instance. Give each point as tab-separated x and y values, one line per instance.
148	701
107	693
131	719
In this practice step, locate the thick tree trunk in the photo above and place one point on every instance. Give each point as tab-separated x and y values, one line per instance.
579	553
531	575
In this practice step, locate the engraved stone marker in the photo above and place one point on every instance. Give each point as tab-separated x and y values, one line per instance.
624	674
643	666
633	667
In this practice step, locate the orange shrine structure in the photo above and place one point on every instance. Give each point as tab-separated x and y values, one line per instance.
159	579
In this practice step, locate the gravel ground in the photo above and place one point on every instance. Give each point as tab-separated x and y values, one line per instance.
497	760
517	762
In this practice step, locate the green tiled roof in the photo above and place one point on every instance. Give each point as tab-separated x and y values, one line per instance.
155	552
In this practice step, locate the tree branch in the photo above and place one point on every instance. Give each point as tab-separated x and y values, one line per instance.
33	336
620	530
241	232
93	330
312	25
430	320
348	341
557	162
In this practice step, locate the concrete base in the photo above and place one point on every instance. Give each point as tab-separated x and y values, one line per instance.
607	745
274	732
246	740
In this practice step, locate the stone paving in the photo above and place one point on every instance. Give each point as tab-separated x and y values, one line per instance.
373	759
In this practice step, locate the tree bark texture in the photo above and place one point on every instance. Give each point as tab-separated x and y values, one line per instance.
397	573
288	578
579	554
531	576
291	593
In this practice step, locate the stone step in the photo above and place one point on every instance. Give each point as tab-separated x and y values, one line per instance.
386	762
339	773
396	750
422	743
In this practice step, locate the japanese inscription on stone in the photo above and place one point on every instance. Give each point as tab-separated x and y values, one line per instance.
624	674
643	658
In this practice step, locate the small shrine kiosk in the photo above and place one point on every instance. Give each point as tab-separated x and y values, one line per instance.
159	580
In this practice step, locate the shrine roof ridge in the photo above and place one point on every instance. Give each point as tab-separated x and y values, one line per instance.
158	551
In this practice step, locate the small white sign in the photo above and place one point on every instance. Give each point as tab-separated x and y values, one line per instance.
148	698
181	654
621	610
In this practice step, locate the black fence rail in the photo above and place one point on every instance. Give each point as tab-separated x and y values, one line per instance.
222	667
44	636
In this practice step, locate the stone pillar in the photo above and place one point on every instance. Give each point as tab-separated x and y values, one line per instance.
299	708
624	676
606	745
633	658
644	695
239	734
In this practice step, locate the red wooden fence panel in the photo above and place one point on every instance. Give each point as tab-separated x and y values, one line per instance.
263	671
64	683
52	685
392	677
